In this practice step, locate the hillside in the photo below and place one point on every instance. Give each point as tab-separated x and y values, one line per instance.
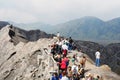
87	47
91	29
113	50
20	62
3	23
110	54
32	26
113	56
31	35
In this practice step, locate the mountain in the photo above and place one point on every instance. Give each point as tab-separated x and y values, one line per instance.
3	23
113	56
32	26
83	28
111	29
30	35
110	54
91	29
31	61
87	28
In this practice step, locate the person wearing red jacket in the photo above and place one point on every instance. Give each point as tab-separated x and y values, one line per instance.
63	65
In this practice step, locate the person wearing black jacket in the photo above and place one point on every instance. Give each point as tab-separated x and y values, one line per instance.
11	33
70	43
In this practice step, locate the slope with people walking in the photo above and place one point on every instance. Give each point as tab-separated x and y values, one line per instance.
103	71
32	61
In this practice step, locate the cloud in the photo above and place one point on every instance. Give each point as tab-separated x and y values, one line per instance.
57	11
16	16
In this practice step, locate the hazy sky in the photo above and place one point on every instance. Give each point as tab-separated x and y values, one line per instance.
57	11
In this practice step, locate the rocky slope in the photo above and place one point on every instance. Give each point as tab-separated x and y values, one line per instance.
103	71
110	54
25	36
113	56
20	61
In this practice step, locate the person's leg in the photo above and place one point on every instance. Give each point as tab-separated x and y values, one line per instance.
98	63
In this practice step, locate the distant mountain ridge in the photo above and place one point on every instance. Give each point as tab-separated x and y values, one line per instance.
33	26
91	28
22	35
3	23
33	35
86	28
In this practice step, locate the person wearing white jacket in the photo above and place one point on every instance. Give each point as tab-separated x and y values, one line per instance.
64	77
97	54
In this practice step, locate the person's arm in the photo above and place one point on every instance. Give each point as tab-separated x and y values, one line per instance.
77	68
96	54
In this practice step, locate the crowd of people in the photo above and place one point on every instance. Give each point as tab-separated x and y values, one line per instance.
74	71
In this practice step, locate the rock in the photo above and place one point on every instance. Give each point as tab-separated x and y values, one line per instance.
113	57
25	36
20	61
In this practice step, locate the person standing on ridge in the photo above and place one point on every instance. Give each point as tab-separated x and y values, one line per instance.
70	43
97	54
58	36
11	33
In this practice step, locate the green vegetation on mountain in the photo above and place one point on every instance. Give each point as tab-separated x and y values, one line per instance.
87	28
91	28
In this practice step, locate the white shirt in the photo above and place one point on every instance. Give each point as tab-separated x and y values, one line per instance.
64	78
64	47
66	41
97	54
74	67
